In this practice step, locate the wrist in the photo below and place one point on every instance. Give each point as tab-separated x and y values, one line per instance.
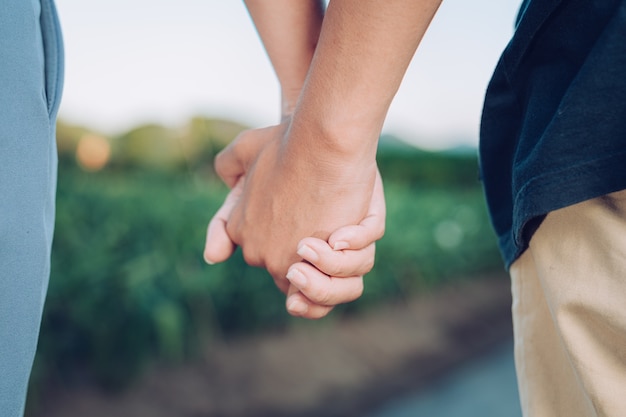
335	136
323	153
288	101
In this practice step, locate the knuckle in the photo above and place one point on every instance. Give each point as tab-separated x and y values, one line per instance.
356	290
252	258
219	162
335	269
275	271
276	265
233	231
368	265
359	288
281	283
379	231
369	260
323	295
339	264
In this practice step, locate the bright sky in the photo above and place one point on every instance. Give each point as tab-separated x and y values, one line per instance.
137	61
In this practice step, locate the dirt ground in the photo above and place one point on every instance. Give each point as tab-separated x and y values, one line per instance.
337	368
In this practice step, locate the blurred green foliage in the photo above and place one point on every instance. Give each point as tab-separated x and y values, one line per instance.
128	283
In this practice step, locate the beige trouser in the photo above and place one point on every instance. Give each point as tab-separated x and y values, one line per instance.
569	312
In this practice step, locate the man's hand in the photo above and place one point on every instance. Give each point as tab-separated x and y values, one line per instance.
315	172
287	195
327	272
331	273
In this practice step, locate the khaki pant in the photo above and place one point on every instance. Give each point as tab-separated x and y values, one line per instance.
569	312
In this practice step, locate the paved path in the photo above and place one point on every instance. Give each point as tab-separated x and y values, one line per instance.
485	387
333	368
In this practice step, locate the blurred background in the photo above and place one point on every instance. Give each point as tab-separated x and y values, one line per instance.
137	325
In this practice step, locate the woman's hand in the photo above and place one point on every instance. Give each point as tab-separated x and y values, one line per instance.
332	271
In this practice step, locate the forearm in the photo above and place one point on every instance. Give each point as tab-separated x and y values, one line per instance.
289	30
363	52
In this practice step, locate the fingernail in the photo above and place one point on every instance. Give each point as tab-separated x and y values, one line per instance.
297	278
297	306
341	245
307	253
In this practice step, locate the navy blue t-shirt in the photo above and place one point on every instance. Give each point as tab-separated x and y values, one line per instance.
553	130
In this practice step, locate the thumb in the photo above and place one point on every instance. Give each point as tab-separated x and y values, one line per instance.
218	245
234	160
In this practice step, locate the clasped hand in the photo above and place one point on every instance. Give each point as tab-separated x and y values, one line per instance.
306	215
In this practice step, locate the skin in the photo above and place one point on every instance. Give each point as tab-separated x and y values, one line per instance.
315	172
290	32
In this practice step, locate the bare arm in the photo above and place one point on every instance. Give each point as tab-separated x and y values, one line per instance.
364	50
316	172
289	31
